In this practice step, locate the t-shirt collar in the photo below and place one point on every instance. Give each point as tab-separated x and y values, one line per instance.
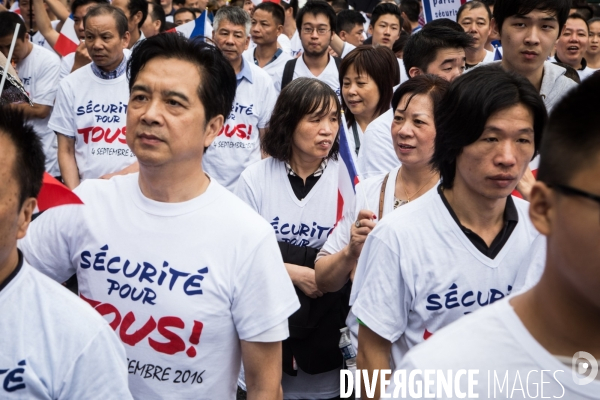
120	70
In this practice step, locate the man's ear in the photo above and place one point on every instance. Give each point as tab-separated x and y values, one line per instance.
137	17
342	35
213	127
494	28
414	71
542	207
370	30
125	40
25	214
279	29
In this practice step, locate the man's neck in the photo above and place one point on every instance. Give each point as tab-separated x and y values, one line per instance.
480	214
168	9
289	28
173	183
264	53
575	65
113	66
475	56
414	25
9	265
557	316
237	65
304	166
317	64
534	77
135	36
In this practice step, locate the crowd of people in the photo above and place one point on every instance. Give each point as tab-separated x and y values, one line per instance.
215	255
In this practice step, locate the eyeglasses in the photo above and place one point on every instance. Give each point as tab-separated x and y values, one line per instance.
571	191
320	31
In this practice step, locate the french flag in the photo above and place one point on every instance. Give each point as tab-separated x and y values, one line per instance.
201	26
67	39
348	175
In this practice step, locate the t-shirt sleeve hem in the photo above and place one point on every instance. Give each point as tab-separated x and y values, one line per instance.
263	326
62	130
373	324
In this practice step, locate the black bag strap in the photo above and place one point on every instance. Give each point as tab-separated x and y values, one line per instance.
356	137
288	72
338	62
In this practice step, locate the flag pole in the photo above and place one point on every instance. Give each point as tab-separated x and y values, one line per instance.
345	125
10	53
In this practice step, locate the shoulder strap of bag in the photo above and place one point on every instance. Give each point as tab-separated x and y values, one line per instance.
356	137
382	195
288	72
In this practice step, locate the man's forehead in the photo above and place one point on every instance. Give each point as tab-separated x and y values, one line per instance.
262	15
320	19
389	19
102	22
536	14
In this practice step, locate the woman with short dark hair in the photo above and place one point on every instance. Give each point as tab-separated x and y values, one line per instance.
296	191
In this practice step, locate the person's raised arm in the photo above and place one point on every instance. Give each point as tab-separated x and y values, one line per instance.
373	354
333	271
262	369
43	22
59	9
67	162
337	44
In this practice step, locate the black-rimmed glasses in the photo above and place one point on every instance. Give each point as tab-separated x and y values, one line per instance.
571	191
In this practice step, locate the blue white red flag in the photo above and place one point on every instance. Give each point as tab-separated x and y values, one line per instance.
201	26
348	175
67	39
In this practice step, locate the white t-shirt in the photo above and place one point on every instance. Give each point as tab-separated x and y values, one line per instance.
377	155
181	283
418	272
66	65
285	43
39	74
495	342
296	44
238	144
93	111
54	346
274	69
266	188
329	75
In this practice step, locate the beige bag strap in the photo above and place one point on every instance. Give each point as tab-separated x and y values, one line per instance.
382	195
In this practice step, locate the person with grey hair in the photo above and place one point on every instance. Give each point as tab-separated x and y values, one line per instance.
238	144
91	104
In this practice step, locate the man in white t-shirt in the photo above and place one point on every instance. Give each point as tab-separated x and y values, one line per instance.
267	27
91	104
80	57
316	24
435	50
190	278
546	341
462	246
238	143
37	68
476	19
350	27
54	346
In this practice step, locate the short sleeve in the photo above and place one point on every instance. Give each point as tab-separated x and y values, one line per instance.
263	294
46	244
348	47
62	118
100	371
46	83
380	295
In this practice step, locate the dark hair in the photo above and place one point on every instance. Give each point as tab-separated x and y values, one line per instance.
180	3
217	78
489	3
341	4
401	42
158	14
293	4
471	5
570	72
384	9
507	8
592	20
346	20
316	7
580	17
274	9
182	10
381	65
465	109
445	22
411	8
422	47
135	6
8	21
431	85
584	10
571	142
106	9
28	168
75	4
301	97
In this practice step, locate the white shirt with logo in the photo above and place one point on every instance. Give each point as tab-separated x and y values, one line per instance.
511	363
296	44
93	111
238	144
39	74
418	272
274	69
180	283
54	346
330	74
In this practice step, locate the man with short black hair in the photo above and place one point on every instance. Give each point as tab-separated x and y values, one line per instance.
350	27
155	22
136	12
183	15
238	142
38	69
410	10
528	30
554	327
54	346
91	103
267	27
190	277
572	45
